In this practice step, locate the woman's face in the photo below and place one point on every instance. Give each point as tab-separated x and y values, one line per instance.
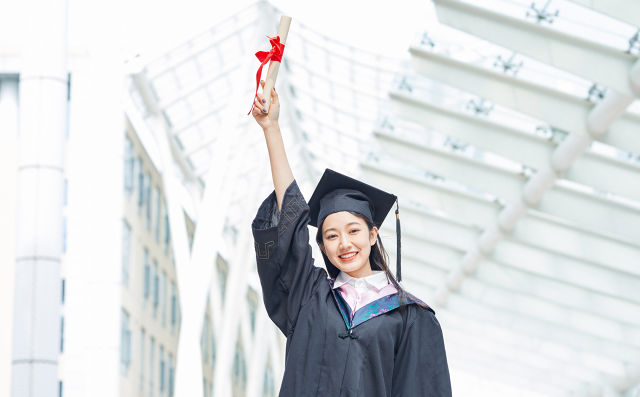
347	243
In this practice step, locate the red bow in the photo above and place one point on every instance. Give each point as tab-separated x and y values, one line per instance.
277	48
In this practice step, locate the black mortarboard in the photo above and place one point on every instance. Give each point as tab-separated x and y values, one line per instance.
337	192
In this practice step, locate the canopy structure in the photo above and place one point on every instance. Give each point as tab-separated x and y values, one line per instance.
511	134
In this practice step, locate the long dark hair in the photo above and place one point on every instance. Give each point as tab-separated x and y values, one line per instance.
378	259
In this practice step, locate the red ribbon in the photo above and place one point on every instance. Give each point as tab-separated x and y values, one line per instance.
277	48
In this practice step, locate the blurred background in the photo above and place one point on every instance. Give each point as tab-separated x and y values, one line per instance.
509	129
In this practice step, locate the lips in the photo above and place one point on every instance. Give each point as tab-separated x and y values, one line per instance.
349	256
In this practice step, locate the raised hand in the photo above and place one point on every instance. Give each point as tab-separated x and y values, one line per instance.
266	118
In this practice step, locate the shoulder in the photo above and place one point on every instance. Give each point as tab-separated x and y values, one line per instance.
412	300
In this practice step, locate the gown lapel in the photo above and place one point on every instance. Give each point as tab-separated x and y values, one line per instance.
368	311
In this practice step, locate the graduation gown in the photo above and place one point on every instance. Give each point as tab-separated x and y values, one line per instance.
380	350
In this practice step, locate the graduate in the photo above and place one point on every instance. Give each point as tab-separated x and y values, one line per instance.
351	329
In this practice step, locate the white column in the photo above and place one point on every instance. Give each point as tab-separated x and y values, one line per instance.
42	115
8	172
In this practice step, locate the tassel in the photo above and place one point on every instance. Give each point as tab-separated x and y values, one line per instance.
398	251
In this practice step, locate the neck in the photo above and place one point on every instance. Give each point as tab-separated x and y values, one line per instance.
364	271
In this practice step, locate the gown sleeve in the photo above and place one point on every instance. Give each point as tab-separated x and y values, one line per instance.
420	365
283	254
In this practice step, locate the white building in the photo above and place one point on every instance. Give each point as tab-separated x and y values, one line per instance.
513	148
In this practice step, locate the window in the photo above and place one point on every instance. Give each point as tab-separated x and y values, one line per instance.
252	299
223	270
158	219
239	377
61	334
152	346
125	344
128	165
167	231
147	199
163	298
59	388
147	276
213	348
174	307
63	291
162	369
155	287
142	355
126	250
204	340
140	183
171	374
268	384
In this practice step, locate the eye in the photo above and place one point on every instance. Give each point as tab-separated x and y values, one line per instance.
355	230
330	236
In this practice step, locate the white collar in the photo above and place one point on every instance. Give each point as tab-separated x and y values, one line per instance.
378	280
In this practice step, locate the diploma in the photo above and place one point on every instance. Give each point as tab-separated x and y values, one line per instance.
273	57
274	66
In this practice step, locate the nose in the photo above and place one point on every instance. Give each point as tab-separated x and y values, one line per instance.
344	241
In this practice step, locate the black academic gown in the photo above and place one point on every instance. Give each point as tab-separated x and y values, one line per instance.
381	350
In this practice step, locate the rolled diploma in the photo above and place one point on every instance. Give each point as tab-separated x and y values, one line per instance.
274	66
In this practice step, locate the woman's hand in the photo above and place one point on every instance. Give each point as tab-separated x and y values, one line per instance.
266	118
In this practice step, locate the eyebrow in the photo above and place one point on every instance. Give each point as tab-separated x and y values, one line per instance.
348	224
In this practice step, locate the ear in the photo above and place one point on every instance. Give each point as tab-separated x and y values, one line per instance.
322	248
373	236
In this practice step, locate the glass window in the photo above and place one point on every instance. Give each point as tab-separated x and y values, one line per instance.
128	165
174	307
155	287
213	347
167	231
239	377
147	276
152	347
171	374
204	340
142	356
61	334
139	177
268	384
125	344
223	270
158	218
162	369
252	299
126	250
147	199
163	298
59	388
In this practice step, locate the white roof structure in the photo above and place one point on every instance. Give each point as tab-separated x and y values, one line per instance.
512	139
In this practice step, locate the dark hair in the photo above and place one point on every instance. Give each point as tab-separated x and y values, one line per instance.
378	259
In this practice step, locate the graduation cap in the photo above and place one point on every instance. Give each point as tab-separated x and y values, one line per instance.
337	192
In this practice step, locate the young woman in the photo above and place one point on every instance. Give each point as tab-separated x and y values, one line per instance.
357	332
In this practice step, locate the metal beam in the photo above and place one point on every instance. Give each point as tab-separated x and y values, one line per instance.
562	110
605	173
607	66
624	10
551	262
563	201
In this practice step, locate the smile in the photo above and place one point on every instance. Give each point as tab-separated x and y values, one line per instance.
347	257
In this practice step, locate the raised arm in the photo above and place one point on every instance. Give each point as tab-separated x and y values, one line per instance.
268	120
